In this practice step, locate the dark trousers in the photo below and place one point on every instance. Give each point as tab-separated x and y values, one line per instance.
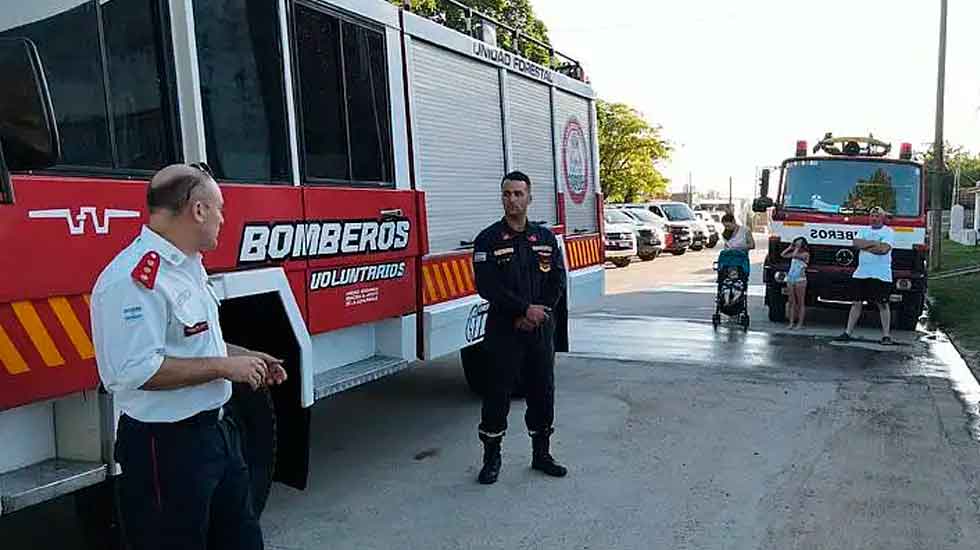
185	486
532	356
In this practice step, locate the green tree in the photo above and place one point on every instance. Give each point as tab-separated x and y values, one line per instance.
875	191
518	14
629	150
955	157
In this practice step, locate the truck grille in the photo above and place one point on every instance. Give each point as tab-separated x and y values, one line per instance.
832	255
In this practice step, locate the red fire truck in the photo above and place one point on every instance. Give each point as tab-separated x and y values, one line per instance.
825	198
359	148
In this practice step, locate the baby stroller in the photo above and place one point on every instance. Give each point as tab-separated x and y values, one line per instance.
733	285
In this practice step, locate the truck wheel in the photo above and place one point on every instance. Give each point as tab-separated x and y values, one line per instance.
255	416
777	305
621	262
908	316
476	368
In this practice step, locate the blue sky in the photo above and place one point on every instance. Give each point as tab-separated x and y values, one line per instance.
735	84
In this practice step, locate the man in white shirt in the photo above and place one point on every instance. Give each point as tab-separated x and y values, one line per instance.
161	353
873	277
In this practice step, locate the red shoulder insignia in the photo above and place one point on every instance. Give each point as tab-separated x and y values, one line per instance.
146	271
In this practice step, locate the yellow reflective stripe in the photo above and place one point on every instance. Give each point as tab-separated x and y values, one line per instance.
68	319
28	317
460	284
9	356
427	275
449	279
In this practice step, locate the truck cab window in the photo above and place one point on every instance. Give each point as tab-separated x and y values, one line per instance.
110	89
343	83
243	90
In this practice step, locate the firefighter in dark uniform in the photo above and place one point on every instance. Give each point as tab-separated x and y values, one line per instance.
520	271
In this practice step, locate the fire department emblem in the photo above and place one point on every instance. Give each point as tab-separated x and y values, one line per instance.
574	160
844	257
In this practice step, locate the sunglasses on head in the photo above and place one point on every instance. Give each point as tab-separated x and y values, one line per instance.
203	167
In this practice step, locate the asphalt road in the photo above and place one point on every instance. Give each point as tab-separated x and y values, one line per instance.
677	436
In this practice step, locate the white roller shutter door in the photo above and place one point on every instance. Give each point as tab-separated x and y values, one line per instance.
531	147
459	138
573	151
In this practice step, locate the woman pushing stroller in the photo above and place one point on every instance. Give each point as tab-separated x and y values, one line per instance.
733	273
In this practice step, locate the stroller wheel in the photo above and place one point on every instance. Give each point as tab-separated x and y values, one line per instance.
716	320
745	322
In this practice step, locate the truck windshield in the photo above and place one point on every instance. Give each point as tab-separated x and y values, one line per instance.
615	216
845	186
677	212
645	216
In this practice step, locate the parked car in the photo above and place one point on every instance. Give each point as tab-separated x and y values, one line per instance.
649	237
680	233
678	213
619	238
713	229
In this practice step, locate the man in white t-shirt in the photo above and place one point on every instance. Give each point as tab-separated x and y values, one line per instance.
873	277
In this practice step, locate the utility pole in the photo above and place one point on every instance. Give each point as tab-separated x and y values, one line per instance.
730	194
937	169
690	190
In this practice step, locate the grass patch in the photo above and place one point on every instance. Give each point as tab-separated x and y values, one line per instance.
956	301
956	255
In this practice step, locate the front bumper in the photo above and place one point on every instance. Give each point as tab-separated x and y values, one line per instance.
620	253
837	284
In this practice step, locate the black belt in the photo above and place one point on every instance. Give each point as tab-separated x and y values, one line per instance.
203	418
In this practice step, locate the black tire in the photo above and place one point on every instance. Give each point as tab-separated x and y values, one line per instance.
253	413
648	257
475	367
777	305
716	320
911	310
679	252
712	242
745	322
697	248
621	262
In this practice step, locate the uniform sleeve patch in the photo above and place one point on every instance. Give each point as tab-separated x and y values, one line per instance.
503	251
479	257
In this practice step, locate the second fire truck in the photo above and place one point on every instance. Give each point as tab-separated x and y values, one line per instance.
824	195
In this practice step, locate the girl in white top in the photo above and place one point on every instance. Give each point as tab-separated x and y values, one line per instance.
799	254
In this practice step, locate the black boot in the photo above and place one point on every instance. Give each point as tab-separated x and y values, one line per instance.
491	459
543	461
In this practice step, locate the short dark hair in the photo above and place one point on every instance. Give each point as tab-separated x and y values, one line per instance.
728	218
174	193
517	176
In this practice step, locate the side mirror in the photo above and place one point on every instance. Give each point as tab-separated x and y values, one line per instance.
28	129
764	183
761	204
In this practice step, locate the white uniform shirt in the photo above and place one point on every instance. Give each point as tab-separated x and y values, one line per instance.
135	327
875	266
